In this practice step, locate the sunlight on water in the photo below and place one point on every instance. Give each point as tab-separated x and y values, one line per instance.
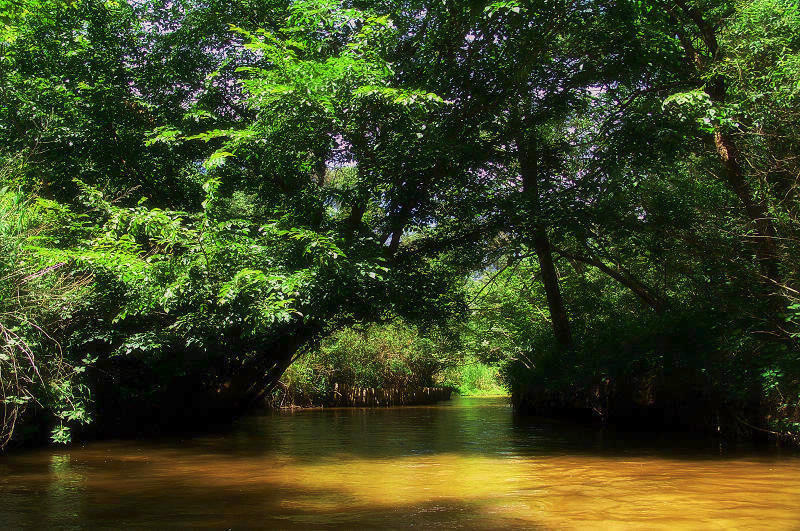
468	463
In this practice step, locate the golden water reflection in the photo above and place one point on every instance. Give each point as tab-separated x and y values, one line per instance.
468	463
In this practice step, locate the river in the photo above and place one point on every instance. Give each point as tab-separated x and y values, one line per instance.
466	463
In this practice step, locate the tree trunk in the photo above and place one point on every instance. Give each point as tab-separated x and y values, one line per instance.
357	211
541	243
555	303
645	293
766	250
251	382
756	210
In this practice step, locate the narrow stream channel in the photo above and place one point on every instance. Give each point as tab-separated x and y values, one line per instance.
467	463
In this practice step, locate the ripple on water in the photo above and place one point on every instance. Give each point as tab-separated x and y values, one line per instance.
466	463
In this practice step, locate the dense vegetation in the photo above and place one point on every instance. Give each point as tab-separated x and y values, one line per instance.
599	195
388	356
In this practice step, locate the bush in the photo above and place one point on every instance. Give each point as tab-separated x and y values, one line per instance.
472	377
38	298
391	355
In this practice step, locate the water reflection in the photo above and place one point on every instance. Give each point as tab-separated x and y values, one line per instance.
467	463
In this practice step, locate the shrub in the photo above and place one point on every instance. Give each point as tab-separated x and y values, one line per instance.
38	298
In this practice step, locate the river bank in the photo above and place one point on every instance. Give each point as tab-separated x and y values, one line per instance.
350	396
685	402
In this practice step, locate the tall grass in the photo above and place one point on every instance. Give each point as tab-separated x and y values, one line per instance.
471	377
36	298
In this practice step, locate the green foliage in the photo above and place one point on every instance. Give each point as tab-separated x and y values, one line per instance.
38	299
392	355
471	377
763	53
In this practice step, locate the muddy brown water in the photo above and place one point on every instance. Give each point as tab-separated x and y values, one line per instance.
467	463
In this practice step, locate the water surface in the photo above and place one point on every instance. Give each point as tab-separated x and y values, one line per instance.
467	463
